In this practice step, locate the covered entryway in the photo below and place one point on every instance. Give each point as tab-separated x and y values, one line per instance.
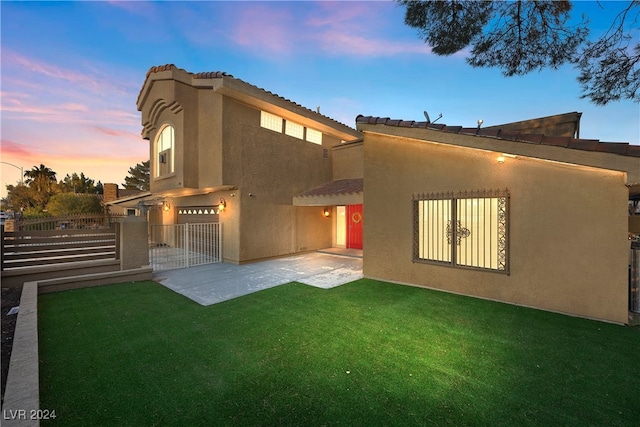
346	195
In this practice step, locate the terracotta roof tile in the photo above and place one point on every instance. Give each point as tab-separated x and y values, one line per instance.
613	147
211	75
622	148
584	144
562	141
221	74
633	150
489	132
533	138
452	129
341	186
126	192
469	131
510	135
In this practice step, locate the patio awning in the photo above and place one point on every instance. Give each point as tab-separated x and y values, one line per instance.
340	192
152	199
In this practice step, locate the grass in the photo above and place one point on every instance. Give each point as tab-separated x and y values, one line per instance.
366	353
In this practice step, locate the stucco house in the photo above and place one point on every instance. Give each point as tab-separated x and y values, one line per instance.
526	213
223	150
505	213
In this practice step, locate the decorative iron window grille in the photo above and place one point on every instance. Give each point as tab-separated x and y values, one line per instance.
467	229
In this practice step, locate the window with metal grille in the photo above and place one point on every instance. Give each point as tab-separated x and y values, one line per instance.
465	229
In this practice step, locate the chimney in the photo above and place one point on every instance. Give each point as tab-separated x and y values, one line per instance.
110	192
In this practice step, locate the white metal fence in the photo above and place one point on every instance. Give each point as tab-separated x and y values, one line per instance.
185	245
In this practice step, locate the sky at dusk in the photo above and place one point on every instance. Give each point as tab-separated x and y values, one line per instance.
71	73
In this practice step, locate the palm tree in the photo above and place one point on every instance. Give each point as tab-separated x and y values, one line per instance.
41	177
42	184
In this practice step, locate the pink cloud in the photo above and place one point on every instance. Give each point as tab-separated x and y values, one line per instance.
49	70
341	14
116	132
22	70
10	148
261	28
340	43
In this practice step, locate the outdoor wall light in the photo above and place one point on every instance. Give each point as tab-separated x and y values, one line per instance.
222	205
326	212
503	156
166	206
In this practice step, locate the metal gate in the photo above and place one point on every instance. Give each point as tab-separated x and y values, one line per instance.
185	245
634	278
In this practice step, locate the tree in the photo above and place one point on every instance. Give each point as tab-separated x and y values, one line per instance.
42	183
41	177
78	184
19	198
71	203
522	36
139	177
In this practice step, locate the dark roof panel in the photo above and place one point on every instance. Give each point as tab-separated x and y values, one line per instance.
622	148
561	141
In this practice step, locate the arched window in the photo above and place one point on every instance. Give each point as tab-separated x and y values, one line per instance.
165	152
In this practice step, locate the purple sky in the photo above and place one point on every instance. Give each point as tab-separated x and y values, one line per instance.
71	73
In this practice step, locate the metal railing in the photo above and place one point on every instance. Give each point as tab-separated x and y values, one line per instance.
67	222
28	249
634	278
184	245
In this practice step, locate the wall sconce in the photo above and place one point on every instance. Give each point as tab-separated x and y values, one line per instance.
166	206
326	212
501	158
222	205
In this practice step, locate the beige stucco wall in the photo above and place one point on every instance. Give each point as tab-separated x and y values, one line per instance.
568	226
348	160
271	168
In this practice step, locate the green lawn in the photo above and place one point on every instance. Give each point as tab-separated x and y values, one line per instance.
366	353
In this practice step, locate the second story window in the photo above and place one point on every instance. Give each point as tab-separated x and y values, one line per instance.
271	121
294	129
165	152
314	136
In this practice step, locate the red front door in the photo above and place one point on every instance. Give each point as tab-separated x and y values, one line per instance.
354	226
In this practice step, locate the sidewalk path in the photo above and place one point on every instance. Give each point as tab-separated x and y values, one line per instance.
213	283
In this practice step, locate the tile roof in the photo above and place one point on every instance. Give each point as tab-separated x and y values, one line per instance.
128	192
622	148
341	186
123	193
221	74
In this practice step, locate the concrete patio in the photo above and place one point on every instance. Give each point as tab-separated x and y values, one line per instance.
213	283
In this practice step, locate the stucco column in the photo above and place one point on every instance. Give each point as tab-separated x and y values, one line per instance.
133	245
